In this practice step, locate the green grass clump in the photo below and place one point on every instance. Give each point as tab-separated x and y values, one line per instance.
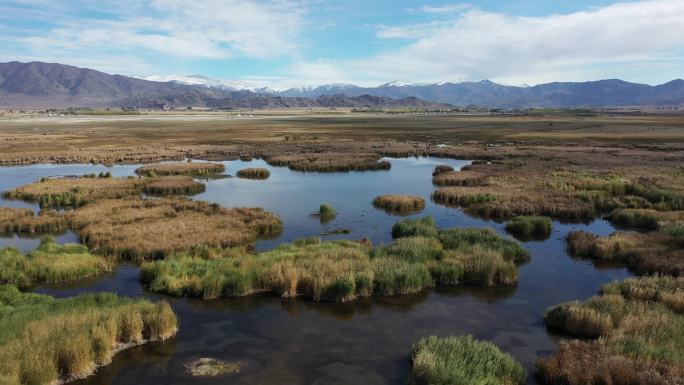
50	263
462	360
530	226
254	173
326	211
341	271
463	239
46	340
424	227
640	328
634	218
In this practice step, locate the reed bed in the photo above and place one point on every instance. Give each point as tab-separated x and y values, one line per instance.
181	168
460	178
254	173
330	162
530	226
501	203
399	204
654	252
462	360
337	271
24	221
138	229
50	263
45	340
76	192
639	328
173	185
442	168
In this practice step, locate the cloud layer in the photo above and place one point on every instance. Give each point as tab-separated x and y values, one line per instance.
636	40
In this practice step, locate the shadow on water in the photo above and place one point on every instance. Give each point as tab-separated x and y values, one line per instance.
364	342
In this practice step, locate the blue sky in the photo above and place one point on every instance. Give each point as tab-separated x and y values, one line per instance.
283	43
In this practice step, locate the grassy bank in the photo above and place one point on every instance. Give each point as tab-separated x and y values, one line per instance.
181	168
399	204
462	360
253	173
44	340
654	252
639	328
341	270
50	263
330	162
138	229
645	218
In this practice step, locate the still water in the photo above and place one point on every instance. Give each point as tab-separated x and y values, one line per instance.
365	342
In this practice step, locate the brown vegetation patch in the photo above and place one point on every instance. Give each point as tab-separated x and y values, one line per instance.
138	229
654	252
579	362
400	204
75	192
19	220
184	168
173	185
254	173
459	178
330	162
442	168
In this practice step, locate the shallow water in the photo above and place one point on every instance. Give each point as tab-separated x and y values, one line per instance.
366	342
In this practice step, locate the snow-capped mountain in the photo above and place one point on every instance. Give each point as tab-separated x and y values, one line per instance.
602	93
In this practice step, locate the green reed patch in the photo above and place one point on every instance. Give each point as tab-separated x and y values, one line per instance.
45	340
50	263
326	211
527	226
462	360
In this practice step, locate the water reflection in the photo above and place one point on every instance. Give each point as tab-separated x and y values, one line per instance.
364	342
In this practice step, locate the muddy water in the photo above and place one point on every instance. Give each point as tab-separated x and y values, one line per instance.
366	342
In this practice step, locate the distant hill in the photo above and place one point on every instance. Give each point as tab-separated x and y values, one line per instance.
47	85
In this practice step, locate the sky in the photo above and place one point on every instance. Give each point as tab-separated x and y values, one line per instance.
283	43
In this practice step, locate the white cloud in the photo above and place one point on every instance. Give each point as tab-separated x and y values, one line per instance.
475	44
212	29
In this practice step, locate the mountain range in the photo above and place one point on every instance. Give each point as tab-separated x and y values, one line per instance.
49	85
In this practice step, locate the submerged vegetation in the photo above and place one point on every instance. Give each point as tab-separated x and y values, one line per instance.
153	228
462	360
181	168
50	263
330	162
654	252
45	340
640	328
526	226
342	270
399	204
20	220
254	173
326	211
